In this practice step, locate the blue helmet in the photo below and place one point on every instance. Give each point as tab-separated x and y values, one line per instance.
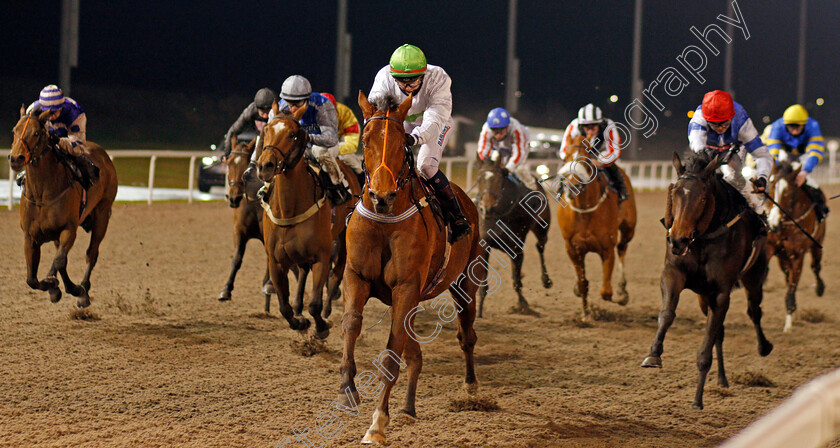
498	118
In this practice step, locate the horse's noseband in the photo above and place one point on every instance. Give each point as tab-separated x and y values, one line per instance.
408	164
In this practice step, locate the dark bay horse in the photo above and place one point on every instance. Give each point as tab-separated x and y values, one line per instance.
299	225
247	215
786	241
710	248
502	213
53	205
397	253
591	220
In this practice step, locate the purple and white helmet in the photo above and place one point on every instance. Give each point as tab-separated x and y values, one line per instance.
51	98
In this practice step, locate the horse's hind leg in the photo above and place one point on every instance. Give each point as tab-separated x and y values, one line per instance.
816	266
97	234
516	271
240	241
542	239
414	360
65	243
32	253
320	271
482	289
719	350
753	281
794	274
714	326
466	332
671	284
339	260
607	264
625	234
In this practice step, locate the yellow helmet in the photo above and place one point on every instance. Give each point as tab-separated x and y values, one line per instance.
795	114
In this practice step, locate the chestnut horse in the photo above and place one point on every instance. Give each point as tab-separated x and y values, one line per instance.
711	246
505	222
299	225
591	220
53	205
786	241
397	253
247	216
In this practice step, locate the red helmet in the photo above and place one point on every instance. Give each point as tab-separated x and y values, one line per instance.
330	97
718	106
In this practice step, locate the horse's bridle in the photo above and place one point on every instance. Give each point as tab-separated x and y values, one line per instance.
295	154
238	182
28	154
506	208
408	164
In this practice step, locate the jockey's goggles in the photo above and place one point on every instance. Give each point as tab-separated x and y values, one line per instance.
409	82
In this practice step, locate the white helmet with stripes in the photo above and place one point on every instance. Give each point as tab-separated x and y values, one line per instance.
590	114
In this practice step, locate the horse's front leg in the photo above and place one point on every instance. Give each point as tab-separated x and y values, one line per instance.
607	264
338	259
516	271
672	284
101	217
793	276
32	253
297	305
239	241
280	278
406	296
320	272
582	286
542	239
65	243
356	294
714	328
816	266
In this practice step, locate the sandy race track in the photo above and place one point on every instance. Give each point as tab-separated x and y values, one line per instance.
161	363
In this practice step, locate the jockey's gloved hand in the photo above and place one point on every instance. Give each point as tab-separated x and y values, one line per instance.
53	138
760	184
410	140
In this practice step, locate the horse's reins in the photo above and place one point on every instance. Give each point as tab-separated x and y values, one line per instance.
794	221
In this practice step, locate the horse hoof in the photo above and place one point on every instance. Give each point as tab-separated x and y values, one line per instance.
322	334
820	288
607	297
623	298
302	323
765	349
788	323
652	361
409	412
50	283
373	437
547	283
224	296
722	382
471	388
696	405
55	295
83	300
576	290
268	289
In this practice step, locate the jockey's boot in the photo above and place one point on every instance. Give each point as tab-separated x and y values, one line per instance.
617	181
818	198
250	173
339	194
451	208
88	170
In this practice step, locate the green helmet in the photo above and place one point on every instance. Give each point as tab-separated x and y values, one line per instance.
408	61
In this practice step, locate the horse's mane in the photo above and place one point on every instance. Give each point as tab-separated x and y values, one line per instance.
696	162
729	200
784	167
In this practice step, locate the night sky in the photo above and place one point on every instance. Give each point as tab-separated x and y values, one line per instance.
571	52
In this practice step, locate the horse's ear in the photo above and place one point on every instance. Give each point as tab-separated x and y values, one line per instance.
275	108
298	114
678	165
233	142
402	111
713	165
44	116
250	147
22	110
367	108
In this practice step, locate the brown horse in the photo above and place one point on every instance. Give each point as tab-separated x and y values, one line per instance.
505	222
53	205
710	242
247	216
786	241
299	225
592	221
397	253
